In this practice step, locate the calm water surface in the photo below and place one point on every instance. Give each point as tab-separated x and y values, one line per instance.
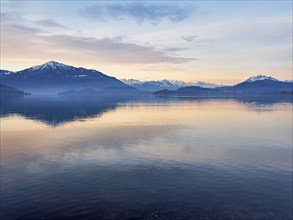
146	159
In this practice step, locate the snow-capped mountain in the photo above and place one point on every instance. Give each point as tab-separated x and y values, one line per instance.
207	85
149	85
165	84
254	85
199	83
53	69
263	84
131	81
51	65
53	77
260	77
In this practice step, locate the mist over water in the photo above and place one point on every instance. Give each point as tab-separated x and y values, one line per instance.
146	158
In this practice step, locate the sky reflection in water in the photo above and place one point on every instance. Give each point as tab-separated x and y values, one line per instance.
149	159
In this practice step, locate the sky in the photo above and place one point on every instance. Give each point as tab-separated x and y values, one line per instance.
214	41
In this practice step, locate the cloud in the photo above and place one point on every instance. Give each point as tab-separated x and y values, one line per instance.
9	29
17	23
197	39
138	11
114	50
12	5
8	17
175	49
190	38
205	41
20	42
49	23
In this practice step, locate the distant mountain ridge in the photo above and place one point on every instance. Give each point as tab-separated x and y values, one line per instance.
259	84
10	91
260	77
262	84
57	78
165	84
53	77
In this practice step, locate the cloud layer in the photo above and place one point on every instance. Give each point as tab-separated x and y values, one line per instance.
231	39
21	42
49	23
138	11
190	38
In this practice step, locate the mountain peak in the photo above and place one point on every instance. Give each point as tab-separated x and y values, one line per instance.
260	77
51	65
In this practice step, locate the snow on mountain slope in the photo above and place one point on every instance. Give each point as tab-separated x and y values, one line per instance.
165	84
131	81
51	65
260	77
53	77
5	72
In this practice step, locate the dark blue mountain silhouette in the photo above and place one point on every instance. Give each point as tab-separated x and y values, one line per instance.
53	77
254	85
261	86
10	91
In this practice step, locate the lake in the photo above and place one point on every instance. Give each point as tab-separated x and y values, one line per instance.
146	158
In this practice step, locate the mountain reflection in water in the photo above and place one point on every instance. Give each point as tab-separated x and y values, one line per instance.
56	110
146	158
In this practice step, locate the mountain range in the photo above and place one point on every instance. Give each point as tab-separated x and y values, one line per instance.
165	84
259	84
57	78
